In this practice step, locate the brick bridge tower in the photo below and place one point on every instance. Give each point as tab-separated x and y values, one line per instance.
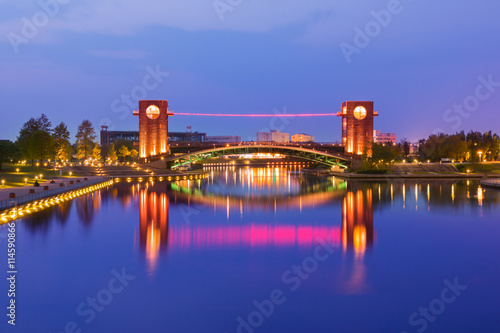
153	128
357	126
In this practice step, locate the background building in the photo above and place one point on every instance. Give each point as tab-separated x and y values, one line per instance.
302	137
109	137
384	138
187	136
273	136
357	126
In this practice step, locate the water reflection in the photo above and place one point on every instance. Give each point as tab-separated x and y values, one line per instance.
153	235
221	204
357	219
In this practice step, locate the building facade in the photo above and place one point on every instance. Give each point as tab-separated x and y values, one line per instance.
153	128
273	136
357	126
302	137
110	137
187	136
224	139
384	138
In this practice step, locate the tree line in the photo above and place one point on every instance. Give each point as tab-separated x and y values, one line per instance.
471	147
38	141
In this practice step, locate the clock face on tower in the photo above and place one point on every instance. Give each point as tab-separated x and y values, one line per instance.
152	112
360	113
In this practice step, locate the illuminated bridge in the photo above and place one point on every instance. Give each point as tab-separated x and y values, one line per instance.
321	157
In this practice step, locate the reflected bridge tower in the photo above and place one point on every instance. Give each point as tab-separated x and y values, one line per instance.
357	220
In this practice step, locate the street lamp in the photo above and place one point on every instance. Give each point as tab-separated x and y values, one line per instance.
480	154
17	170
3	182
70	173
41	176
25	181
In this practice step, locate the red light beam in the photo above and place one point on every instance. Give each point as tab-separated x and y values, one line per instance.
255	115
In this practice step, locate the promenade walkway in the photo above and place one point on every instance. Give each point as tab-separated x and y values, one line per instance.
41	191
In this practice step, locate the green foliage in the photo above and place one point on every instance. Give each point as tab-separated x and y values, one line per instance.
42	145
62	146
85	138
127	143
35	140
134	153
112	154
123	151
460	147
379	158
8	151
96	152
479	168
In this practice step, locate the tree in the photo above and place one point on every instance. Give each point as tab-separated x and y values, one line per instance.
42	145
68	152
61	137
134	153
454	147
380	156
96	153
85	139
8	152
30	136
112	153
123	152
127	143
405	147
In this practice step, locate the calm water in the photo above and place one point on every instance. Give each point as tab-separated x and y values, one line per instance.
262	250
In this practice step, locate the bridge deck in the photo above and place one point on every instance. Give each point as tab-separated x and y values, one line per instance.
319	156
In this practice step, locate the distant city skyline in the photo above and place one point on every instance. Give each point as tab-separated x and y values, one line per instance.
427	66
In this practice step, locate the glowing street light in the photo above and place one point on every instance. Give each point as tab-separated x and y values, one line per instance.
3	183
17	170
70	173
480	153
25	181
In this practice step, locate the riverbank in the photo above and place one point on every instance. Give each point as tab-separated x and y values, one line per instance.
491	183
33	204
45	185
412	176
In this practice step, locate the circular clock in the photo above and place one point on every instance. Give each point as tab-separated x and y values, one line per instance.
360	112
153	112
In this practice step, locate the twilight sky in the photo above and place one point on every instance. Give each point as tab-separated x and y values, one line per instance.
415	59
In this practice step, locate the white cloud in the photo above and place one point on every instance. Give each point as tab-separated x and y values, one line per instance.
119	17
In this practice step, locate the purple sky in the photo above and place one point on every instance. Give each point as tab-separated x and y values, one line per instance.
252	56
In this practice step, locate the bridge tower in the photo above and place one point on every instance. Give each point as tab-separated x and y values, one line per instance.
153	128
357	126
